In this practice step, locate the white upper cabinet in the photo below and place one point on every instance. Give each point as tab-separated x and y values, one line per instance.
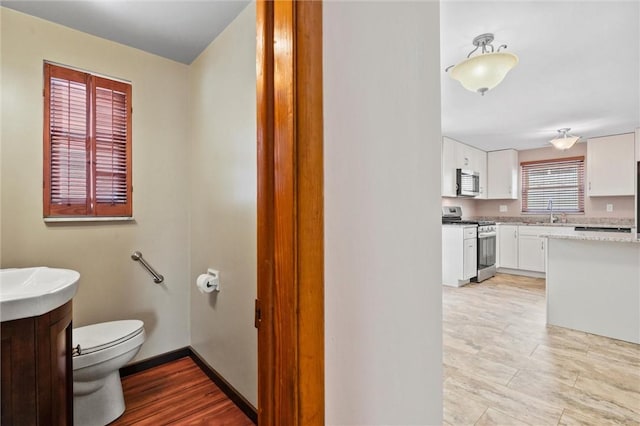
611	167
478	163
502	174
449	161
638	144
456	155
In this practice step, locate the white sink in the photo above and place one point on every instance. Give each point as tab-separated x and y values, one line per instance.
30	292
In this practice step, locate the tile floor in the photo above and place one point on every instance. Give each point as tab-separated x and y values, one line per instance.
504	366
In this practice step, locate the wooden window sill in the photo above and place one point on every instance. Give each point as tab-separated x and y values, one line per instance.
89	219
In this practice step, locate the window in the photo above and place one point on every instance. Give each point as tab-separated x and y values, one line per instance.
87	145
560	182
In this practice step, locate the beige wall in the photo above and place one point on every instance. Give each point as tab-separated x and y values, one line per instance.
383	292
222	131
112	286
595	207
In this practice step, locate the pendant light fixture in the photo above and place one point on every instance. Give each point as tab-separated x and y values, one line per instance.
485	71
564	140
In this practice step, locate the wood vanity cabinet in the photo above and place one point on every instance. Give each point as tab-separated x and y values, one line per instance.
37	370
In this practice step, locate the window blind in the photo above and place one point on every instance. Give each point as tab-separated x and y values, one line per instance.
560	181
87	145
112	153
66	154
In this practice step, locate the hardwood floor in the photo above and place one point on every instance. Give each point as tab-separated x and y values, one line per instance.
504	366
177	393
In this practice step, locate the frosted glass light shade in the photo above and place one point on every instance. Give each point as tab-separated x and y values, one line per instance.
565	142
484	72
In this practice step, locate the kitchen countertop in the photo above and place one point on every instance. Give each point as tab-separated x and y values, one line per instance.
543	220
608	238
567	225
541	224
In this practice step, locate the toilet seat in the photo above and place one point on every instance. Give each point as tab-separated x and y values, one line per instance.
102	341
96	337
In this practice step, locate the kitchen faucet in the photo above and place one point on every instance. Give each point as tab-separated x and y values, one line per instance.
550	208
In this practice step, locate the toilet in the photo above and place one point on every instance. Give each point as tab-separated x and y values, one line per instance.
99	351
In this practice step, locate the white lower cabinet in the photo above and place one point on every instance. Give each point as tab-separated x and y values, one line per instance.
508	246
521	247
470	269
459	254
531	253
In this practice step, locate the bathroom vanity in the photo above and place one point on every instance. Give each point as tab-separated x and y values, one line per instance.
36	336
37	376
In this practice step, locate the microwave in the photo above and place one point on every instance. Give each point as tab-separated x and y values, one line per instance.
467	183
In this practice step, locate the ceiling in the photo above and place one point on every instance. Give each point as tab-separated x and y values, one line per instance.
178	30
579	67
579	60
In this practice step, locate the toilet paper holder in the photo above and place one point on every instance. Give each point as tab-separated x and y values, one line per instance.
215	282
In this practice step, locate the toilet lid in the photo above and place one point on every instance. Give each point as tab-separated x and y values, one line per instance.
96	337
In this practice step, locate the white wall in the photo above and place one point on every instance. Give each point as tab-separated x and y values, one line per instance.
382	213
223	202
112	286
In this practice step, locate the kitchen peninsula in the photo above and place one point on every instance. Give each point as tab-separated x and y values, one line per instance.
593	284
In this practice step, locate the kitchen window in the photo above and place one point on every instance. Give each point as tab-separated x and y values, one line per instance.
553	185
87	145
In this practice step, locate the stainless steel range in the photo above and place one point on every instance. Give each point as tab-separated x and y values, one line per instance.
486	251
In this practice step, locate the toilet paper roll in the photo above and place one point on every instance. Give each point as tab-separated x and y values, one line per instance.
205	283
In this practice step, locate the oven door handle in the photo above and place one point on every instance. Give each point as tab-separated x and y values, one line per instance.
486	235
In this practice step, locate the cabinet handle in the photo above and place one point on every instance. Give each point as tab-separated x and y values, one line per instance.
542	245
589	186
515	234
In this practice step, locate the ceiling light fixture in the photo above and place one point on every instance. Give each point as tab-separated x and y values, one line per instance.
564	140
485	71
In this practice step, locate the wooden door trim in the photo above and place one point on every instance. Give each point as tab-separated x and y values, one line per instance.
290	213
310	196
265	207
